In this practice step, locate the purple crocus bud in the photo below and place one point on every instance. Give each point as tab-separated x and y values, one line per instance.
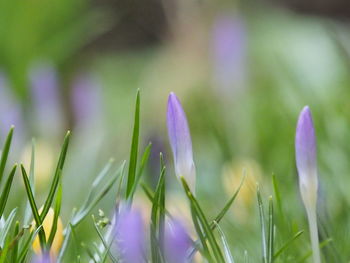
180	141
46	99
305	154
129	236
229	53
177	243
86	100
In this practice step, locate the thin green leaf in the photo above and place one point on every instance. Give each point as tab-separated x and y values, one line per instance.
56	178
263	228
204	223
104	242
5	152
144	161
229	258
287	244
15	244
134	148
6	190
228	204
25	248
7	226
57	211
270	237
34	207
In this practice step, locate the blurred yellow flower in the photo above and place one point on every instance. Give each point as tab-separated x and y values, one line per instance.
47	225
231	178
44	161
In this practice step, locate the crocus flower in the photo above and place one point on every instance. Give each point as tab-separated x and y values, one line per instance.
42	259
129	236
47	226
177	243
86	100
10	111
305	154
180	141
46	100
229	53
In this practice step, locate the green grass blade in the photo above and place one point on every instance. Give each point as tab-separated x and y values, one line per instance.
27	213
228	255
25	248
144	161
157	219
34	208
228	205
270	237
57	177
134	149
277	196
6	228
288	243
14	253
104	242
5	153
5	192
204	223
263	227
57	211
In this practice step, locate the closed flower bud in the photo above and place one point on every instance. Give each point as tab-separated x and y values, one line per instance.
180	141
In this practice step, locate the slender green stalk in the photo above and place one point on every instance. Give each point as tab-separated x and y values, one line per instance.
312	218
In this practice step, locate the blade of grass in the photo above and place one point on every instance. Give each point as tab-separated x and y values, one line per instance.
270	237
6	190
34	207
5	152
57	211
56	178
263	228
229	258
286	245
204	223
15	246
144	161
134	148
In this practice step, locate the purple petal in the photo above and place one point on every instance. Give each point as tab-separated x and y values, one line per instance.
46	99
86	99
305	154
42	259
10	110
229	49
180	140
177	243
129	236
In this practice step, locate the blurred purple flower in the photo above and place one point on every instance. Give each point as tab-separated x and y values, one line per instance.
305	155
46	98
42	259
180	141
177	243
86	100
229	53
10	111
129	236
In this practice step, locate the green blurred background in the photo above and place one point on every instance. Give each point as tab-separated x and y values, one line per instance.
243	71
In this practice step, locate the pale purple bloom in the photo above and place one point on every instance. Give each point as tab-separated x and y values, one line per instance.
305	155
42	259
229	53
86	100
177	243
129	236
10	111
46	98
180	141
